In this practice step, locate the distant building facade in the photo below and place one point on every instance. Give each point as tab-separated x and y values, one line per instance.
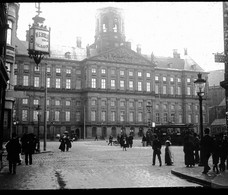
107	92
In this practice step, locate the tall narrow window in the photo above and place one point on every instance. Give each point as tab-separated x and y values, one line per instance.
139	86
113	116
122	116
157	117
78	116
36	81
103	83
93	115
24	115
78	84
93	83
67	115
140	117
113	84
57	84
9	32
25	80
122	84
103	114
148	87
131	116
68	83
57	113
48	82
131	85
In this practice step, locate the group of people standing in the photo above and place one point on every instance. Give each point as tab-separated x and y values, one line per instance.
125	141
65	142
15	147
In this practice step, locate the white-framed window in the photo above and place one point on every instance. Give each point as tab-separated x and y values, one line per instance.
112	103
103	83
148	87
178	90
58	70
165	106
140	104
26	67
165	117
67	102
25	80
121	72
68	83
139	86
188	90
139	74
47	115
180	118
103	71
68	71
48	102
57	115
196	118
172	117
93	83
157	117
121	84
113	84
93	115
93	70
103	102
35	102
93	102
148	75
171	79
178	80
57	102
113	116
188	80
122	103
189	118
131	116
139	116
113	72
172	90
121	116
172	107
48	82
24	101
36	81
48	69
164	79
9	32
15	79
156	89
57	83
164	89
67	115
131	85
130	73
156	78
35	115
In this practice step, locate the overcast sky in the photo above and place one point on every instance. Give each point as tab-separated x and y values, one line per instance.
159	27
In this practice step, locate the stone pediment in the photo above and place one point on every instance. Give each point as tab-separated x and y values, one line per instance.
121	55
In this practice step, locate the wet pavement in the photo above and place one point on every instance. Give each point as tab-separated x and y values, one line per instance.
95	165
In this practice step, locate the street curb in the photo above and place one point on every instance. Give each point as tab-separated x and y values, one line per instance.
192	179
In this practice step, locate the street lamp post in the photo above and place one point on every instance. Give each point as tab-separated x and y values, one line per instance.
38	47
200	85
38	130
16	126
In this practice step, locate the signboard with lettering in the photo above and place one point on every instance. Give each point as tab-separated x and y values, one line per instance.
39	40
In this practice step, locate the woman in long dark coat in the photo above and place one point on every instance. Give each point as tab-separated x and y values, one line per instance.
62	143
168	153
188	151
13	148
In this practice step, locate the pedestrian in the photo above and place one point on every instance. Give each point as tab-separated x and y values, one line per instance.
216	150
143	140
110	140
206	144
96	139
28	147
196	143
130	140
68	143
168	152
13	148
156	146
224	152
125	144
188	149
62	145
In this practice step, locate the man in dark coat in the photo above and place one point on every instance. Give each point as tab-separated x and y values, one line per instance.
28	141
156	146
206	145
13	148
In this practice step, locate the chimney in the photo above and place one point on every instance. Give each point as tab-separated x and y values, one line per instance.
138	49
185	51
79	42
175	54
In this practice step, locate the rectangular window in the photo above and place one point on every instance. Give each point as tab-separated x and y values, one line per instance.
35	115
36	81
113	72
131	85
178	90
122	103
130	73
103	103
15	79
93	102
131	116
24	101
131	104
78	84
113	116
57	83
48	82
113	84
157	117
148	75
103	114
164	89
189	118
67	116
171	79
164	79
93	115
58	70
9	32
139	74
180	118
47	115
103	83
93	83
156	78
57	114
67	103
156	89
178	80
139	116
35	102
48	69
188	91
68	83
102	71
139	86
148	87
172	117
122	84
165	118
140	104
48	102
26	67
68	71
25	80
57	102
112	103
196	118
171	90
78	116
121	116
24	115
78	71
121	73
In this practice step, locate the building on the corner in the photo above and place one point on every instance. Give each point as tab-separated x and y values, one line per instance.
105	88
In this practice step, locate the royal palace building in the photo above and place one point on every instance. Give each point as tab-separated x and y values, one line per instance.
107	87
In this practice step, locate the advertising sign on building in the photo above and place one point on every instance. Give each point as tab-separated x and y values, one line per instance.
39	40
